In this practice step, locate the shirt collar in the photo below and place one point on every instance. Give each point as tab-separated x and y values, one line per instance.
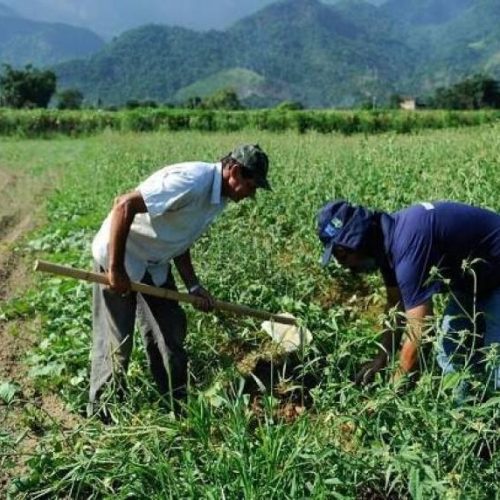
215	199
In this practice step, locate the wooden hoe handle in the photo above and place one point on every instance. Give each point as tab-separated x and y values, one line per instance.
71	272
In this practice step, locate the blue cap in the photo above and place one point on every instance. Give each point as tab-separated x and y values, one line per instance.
341	223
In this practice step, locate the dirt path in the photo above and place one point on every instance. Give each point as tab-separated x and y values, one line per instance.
20	201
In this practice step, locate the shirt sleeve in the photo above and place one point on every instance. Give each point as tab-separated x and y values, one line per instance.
416	288
167	191
413	273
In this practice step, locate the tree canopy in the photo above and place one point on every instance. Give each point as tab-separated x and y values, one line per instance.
479	91
69	99
26	88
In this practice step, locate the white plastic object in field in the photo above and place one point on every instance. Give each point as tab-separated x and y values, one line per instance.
289	337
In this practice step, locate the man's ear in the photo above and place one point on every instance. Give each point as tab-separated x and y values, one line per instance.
235	170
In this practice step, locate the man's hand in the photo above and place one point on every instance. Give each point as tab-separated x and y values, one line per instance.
186	270
389	340
206	302
368	371
401	381
119	282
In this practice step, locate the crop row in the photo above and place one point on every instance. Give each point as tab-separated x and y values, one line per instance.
35	123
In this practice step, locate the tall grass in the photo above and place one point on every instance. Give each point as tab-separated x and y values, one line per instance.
350	443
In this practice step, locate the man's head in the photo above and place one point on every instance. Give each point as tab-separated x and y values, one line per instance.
346	232
244	170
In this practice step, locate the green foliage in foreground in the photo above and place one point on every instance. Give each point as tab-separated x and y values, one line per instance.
350	443
41	123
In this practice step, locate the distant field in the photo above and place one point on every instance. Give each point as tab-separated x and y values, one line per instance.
331	441
43	123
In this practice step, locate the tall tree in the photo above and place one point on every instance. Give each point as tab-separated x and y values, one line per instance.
478	91
223	99
69	99
26	88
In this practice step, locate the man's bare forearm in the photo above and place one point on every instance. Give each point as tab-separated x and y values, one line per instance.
185	267
417	324
409	357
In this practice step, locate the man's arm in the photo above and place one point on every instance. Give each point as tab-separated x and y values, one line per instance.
185	267
389	341
391	336
416	326
122	215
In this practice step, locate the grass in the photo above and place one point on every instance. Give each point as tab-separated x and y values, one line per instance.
350	443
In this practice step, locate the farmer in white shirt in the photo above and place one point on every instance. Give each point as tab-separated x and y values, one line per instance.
146	230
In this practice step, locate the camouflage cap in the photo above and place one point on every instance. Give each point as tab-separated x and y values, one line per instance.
251	157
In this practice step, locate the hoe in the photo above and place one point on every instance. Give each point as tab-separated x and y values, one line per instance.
283	328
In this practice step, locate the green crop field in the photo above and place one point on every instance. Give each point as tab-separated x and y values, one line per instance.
312	433
49	122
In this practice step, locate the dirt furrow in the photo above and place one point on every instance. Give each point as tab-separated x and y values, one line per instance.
19	214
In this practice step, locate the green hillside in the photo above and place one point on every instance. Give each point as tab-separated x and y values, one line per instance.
472	40
426	12
23	41
322	55
468	43
249	85
151	62
315	52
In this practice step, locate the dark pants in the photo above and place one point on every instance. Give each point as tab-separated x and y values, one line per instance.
162	324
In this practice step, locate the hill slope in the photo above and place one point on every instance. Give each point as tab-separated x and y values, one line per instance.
113	17
152	62
23	41
323	55
455	38
315	52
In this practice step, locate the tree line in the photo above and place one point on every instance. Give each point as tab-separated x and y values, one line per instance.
34	88
31	87
478	92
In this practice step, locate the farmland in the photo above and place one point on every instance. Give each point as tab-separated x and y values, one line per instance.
37	123
314	434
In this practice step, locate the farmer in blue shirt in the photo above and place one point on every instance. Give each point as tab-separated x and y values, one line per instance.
425	249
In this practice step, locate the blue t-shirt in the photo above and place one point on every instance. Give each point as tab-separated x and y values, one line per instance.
441	235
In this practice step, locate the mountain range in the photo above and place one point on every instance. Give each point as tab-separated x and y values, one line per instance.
24	41
320	53
112	17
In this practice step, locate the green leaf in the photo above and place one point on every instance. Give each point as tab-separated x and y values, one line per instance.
51	369
7	391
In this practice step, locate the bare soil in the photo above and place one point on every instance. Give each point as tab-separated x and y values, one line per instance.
20	213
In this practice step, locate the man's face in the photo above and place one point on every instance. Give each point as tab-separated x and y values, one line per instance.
238	186
357	262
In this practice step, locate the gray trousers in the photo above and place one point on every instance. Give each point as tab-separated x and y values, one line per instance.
163	326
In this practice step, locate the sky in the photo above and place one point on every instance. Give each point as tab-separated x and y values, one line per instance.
111	17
